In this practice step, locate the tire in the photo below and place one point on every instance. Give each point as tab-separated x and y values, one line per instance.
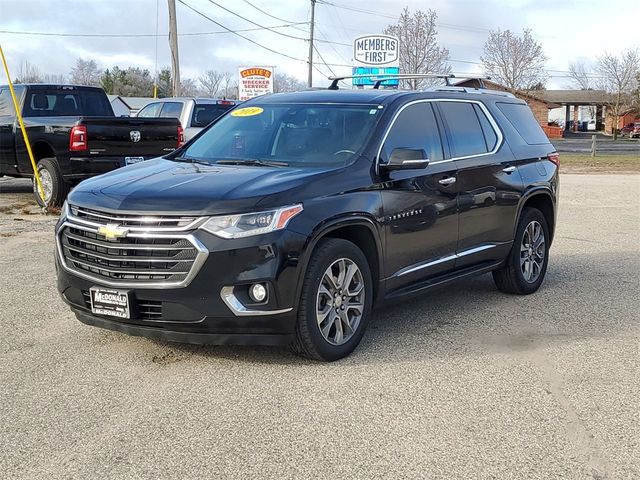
53	183
512	278
310	341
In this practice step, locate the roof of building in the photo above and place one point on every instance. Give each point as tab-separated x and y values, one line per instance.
525	95
574	97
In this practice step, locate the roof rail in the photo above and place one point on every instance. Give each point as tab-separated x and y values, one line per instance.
381	78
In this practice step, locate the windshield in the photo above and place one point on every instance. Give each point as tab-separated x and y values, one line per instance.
298	135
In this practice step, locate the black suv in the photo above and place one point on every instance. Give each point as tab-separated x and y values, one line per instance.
290	217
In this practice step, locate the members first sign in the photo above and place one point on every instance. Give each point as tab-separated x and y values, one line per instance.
254	81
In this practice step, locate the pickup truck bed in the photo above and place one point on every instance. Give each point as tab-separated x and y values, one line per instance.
74	135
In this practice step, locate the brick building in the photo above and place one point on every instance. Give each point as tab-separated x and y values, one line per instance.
539	106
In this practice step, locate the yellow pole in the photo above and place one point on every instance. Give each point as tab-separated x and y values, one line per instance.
36	174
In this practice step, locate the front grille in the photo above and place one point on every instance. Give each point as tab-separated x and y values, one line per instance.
146	256
127	220
147	309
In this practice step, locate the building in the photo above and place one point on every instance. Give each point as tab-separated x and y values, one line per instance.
539	106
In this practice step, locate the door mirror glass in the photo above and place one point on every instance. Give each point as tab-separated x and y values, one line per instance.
406	158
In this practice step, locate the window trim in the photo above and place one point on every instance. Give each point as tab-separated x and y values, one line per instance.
482	106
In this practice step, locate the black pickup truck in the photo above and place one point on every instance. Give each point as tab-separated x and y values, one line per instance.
74	135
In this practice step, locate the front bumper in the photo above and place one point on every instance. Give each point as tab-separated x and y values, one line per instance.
200	312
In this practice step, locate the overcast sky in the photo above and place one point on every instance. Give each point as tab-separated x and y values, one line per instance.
568	30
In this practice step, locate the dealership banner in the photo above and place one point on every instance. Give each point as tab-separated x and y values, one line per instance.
254	81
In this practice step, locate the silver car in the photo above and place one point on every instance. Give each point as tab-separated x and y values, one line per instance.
194	113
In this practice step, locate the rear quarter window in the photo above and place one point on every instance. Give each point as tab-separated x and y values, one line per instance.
522	119
6	103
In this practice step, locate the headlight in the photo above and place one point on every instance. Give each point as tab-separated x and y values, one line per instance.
248	224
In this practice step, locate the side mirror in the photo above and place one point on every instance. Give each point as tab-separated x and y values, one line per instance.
406	158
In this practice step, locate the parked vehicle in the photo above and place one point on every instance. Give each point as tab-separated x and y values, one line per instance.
636	130
194	113
289	218
75	135
627	130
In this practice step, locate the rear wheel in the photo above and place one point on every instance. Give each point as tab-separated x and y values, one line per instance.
335	304
54	187
527	263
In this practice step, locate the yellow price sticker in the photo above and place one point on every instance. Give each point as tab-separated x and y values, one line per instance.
247	112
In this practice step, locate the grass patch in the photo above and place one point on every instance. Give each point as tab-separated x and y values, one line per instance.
599	163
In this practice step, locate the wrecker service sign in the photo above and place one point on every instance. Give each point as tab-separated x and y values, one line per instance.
254	81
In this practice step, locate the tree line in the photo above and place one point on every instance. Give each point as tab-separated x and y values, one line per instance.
140	82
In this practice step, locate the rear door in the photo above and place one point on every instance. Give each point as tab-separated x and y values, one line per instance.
489	182
420	206
7	133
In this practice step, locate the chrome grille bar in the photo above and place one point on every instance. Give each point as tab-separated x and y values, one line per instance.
151	257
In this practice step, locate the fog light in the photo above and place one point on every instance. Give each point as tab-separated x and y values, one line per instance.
258	292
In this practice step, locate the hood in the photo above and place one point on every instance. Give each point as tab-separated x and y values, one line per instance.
162	185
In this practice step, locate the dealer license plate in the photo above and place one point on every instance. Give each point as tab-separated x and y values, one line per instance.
132	160
114	303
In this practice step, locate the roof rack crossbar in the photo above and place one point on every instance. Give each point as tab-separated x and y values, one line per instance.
378	79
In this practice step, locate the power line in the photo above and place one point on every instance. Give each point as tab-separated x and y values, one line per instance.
143	35
265	12
267	28
240	35
395	17
255	23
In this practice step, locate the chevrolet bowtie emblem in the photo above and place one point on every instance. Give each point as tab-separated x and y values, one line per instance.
111	231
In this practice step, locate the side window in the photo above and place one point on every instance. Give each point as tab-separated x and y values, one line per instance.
171	110
151	110
415	127
6	104
490	136
464	128
522	119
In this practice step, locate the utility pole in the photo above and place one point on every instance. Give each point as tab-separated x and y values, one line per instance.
313	15
173	44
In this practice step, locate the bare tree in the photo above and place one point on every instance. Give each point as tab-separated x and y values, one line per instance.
210	82
229	88
617	76
188	88
514	61
581	75
85	72
287	83
28	73
419	50
54	78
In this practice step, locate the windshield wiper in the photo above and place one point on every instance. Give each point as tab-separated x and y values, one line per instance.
252	161
190	160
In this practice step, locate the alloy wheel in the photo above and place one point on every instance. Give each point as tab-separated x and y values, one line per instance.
532	251
340	301
47	185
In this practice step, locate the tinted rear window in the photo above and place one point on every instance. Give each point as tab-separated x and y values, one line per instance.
464	128
66	103
204	114
522	119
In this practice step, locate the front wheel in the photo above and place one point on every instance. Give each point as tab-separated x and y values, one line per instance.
54	187
335	304
527	262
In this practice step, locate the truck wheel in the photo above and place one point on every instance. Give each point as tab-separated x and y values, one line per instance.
527	262
53	184
335	304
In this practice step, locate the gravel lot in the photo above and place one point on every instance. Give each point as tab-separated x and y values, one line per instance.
465	383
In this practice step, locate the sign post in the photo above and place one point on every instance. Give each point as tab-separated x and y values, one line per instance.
376	55
254	81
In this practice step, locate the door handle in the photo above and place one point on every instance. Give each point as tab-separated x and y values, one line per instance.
447	181
509	169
